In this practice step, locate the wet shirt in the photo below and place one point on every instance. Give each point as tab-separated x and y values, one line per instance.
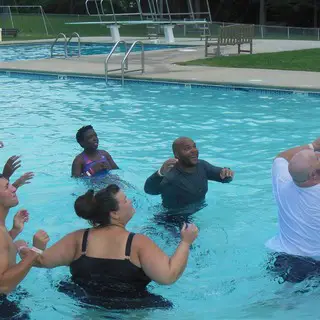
179	188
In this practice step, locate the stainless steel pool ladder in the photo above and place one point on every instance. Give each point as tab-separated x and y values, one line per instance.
124	63
106	62
79	42
55	42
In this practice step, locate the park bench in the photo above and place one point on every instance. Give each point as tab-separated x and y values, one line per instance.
9	32
236	34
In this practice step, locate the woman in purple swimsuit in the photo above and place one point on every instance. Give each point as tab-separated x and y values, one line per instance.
91	162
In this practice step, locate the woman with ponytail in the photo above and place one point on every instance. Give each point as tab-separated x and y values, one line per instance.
111	265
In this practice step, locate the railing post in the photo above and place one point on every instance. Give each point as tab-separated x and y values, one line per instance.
318	33
288	32
262	31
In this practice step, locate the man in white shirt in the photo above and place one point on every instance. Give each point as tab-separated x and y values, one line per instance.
296	188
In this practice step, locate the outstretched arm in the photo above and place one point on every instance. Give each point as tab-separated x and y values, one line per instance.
157	265
224	175
61	253
288	154
24	179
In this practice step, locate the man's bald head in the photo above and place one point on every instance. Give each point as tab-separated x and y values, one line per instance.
180	142
185	150
303	166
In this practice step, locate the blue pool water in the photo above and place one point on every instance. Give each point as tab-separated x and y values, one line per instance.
42	51
226	276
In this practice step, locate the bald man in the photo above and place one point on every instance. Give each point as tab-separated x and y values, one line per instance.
183	180
296	187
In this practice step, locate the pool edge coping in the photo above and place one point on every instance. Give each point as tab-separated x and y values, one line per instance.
168	81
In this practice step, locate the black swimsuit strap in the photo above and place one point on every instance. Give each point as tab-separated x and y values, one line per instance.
128	245
84	241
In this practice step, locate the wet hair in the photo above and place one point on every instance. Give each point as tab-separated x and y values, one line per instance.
1	176
81	132
96	208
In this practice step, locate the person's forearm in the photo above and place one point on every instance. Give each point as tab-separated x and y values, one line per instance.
14	233
178	261
16	184
152	185
288	154
12	277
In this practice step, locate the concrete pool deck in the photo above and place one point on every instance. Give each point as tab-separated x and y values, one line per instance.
162	65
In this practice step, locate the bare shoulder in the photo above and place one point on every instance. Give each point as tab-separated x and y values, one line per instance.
78	158
104	152
77	235
142	240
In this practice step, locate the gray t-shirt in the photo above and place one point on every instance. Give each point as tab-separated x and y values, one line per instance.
179	188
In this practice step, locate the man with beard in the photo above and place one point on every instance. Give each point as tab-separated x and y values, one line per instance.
183	180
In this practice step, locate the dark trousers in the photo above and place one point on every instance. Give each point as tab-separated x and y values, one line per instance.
11	310
294	269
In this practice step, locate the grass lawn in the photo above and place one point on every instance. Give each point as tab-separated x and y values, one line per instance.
301	60
31	27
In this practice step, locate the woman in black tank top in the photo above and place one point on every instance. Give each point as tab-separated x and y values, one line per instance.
109	266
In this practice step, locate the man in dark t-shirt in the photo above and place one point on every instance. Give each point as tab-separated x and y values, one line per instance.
183	180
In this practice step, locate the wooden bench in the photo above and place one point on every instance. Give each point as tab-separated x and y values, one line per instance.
9	32
236	34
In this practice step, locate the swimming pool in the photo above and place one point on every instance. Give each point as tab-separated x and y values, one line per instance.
226	276
42	50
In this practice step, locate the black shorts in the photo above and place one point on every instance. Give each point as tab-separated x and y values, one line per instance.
11	310
294	269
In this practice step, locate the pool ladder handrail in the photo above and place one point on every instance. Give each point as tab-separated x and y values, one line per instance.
124	63
79	42
65	44
106	62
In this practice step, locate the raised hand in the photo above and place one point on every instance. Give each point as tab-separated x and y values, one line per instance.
189	233
40	239
226	173
168	165
24	179
12	164
21	217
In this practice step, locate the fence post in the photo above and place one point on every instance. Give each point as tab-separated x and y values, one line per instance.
288	32
262	31
318	33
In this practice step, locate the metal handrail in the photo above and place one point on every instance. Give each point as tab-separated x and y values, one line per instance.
79	42
65	44
125	60
106	70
